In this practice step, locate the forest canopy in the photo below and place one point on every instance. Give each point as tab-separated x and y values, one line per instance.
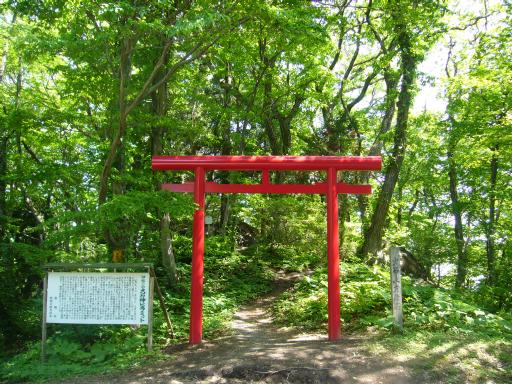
91	90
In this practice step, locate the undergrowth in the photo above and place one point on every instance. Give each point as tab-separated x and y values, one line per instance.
366	302
447	336
440	325
231	279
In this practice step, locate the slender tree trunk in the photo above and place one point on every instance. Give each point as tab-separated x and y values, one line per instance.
433	215
399	210
226	149
373	235
115	158
225	209
456	207
159	107
391	80
286	134
3	184
285	122
268	118
124	75
457	217
166	250
491	259
33	218
343	216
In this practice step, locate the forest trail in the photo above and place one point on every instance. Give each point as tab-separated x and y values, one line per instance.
259	352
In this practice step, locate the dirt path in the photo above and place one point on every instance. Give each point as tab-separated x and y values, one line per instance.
261	353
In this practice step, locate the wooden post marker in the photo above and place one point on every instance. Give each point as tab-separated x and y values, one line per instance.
396	289
43	324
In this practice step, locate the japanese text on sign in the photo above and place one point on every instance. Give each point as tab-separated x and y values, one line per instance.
97	298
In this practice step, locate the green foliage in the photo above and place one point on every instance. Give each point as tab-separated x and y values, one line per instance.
365	295
437	309
291	229
231	278
80	84
68	357
366	302
21	274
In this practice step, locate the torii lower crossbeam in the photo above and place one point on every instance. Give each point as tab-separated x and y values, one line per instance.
331	188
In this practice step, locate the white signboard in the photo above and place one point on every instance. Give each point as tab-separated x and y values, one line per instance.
97	298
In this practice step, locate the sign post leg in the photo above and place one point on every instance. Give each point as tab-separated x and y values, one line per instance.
333	257
196	291
150	313
43	323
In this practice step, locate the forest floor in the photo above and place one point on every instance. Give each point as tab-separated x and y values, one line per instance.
260	352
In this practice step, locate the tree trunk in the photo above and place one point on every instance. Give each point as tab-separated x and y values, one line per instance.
285	122
490	230
115	158
159	107
457	216
3	184
373	235
168	260
399	210
268	118
343	216
226	149
124	75
225	205
391	80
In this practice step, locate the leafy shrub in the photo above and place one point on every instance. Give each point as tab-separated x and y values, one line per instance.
438	309
366	301
363	291
21	276
68	357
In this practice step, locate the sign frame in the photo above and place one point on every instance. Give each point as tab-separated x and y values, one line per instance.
112	298
99	268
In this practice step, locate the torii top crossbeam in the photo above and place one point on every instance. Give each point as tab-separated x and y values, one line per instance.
331	188
258	163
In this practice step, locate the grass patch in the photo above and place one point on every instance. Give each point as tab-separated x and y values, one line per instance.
448	357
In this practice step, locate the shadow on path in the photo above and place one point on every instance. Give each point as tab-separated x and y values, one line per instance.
260	352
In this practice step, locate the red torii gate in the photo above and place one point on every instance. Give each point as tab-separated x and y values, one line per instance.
331	188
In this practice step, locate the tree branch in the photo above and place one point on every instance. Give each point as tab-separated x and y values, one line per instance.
31	152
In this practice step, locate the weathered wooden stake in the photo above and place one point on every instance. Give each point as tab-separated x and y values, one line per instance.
43	323
150	313
396	289
162	303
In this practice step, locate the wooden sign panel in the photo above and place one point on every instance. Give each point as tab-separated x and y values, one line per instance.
97	298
